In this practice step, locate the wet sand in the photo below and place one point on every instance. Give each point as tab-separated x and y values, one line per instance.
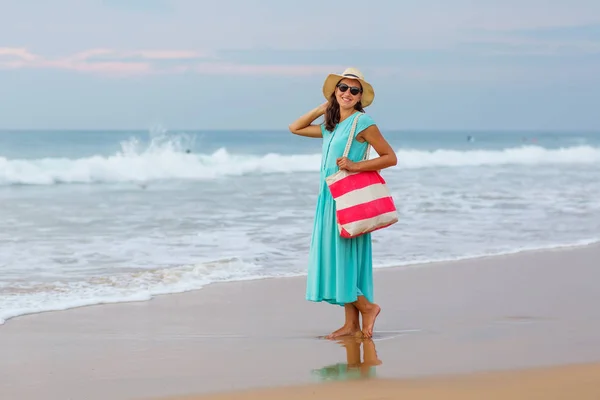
581	382
528	310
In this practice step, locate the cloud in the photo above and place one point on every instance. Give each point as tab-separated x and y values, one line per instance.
560	40
493	57
112	62
98	55
170	54
225	68
99	61
18	53
578	32
139	5
522	47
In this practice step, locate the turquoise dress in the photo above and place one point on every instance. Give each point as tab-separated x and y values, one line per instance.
339	269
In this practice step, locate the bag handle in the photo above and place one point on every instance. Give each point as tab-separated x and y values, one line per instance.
351	138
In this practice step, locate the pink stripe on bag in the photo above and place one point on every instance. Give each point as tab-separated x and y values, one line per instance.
354	182
365	210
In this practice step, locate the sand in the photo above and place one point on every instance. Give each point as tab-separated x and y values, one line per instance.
581	382
507	313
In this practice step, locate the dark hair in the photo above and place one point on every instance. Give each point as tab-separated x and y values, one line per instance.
332	113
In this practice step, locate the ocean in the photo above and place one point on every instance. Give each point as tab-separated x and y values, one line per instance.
92	217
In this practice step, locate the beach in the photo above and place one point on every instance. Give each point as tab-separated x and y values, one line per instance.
449	328
165	217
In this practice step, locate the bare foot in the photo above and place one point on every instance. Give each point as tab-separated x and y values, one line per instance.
346	330
368	319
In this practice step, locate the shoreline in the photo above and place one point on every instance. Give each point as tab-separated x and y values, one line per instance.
514	312
146	297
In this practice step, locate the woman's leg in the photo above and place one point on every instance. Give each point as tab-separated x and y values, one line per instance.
351	323
369	312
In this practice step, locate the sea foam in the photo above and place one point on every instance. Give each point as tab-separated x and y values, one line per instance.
166	160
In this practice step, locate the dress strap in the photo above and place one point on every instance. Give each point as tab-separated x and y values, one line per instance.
351	138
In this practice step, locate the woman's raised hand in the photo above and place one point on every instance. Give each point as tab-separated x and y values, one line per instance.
323	107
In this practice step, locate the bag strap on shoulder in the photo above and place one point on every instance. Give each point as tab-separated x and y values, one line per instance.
351	138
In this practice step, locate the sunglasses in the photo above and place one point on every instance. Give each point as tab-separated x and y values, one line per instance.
353	89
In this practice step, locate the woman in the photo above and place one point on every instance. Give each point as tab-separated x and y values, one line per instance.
340	270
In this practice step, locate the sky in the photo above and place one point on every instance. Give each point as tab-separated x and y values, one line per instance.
260	64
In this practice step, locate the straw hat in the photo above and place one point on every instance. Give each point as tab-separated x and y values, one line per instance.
351	73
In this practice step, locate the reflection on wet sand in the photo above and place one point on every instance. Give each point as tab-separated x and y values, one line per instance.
355	367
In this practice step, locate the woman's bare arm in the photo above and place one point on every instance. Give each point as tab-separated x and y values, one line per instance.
302	126
387	155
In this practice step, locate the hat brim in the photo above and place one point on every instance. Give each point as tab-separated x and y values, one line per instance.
332	80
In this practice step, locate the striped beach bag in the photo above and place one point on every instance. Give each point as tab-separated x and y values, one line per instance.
362	199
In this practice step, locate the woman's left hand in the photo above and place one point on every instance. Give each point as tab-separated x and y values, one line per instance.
345	163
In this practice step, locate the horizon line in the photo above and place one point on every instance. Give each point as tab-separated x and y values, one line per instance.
412	129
